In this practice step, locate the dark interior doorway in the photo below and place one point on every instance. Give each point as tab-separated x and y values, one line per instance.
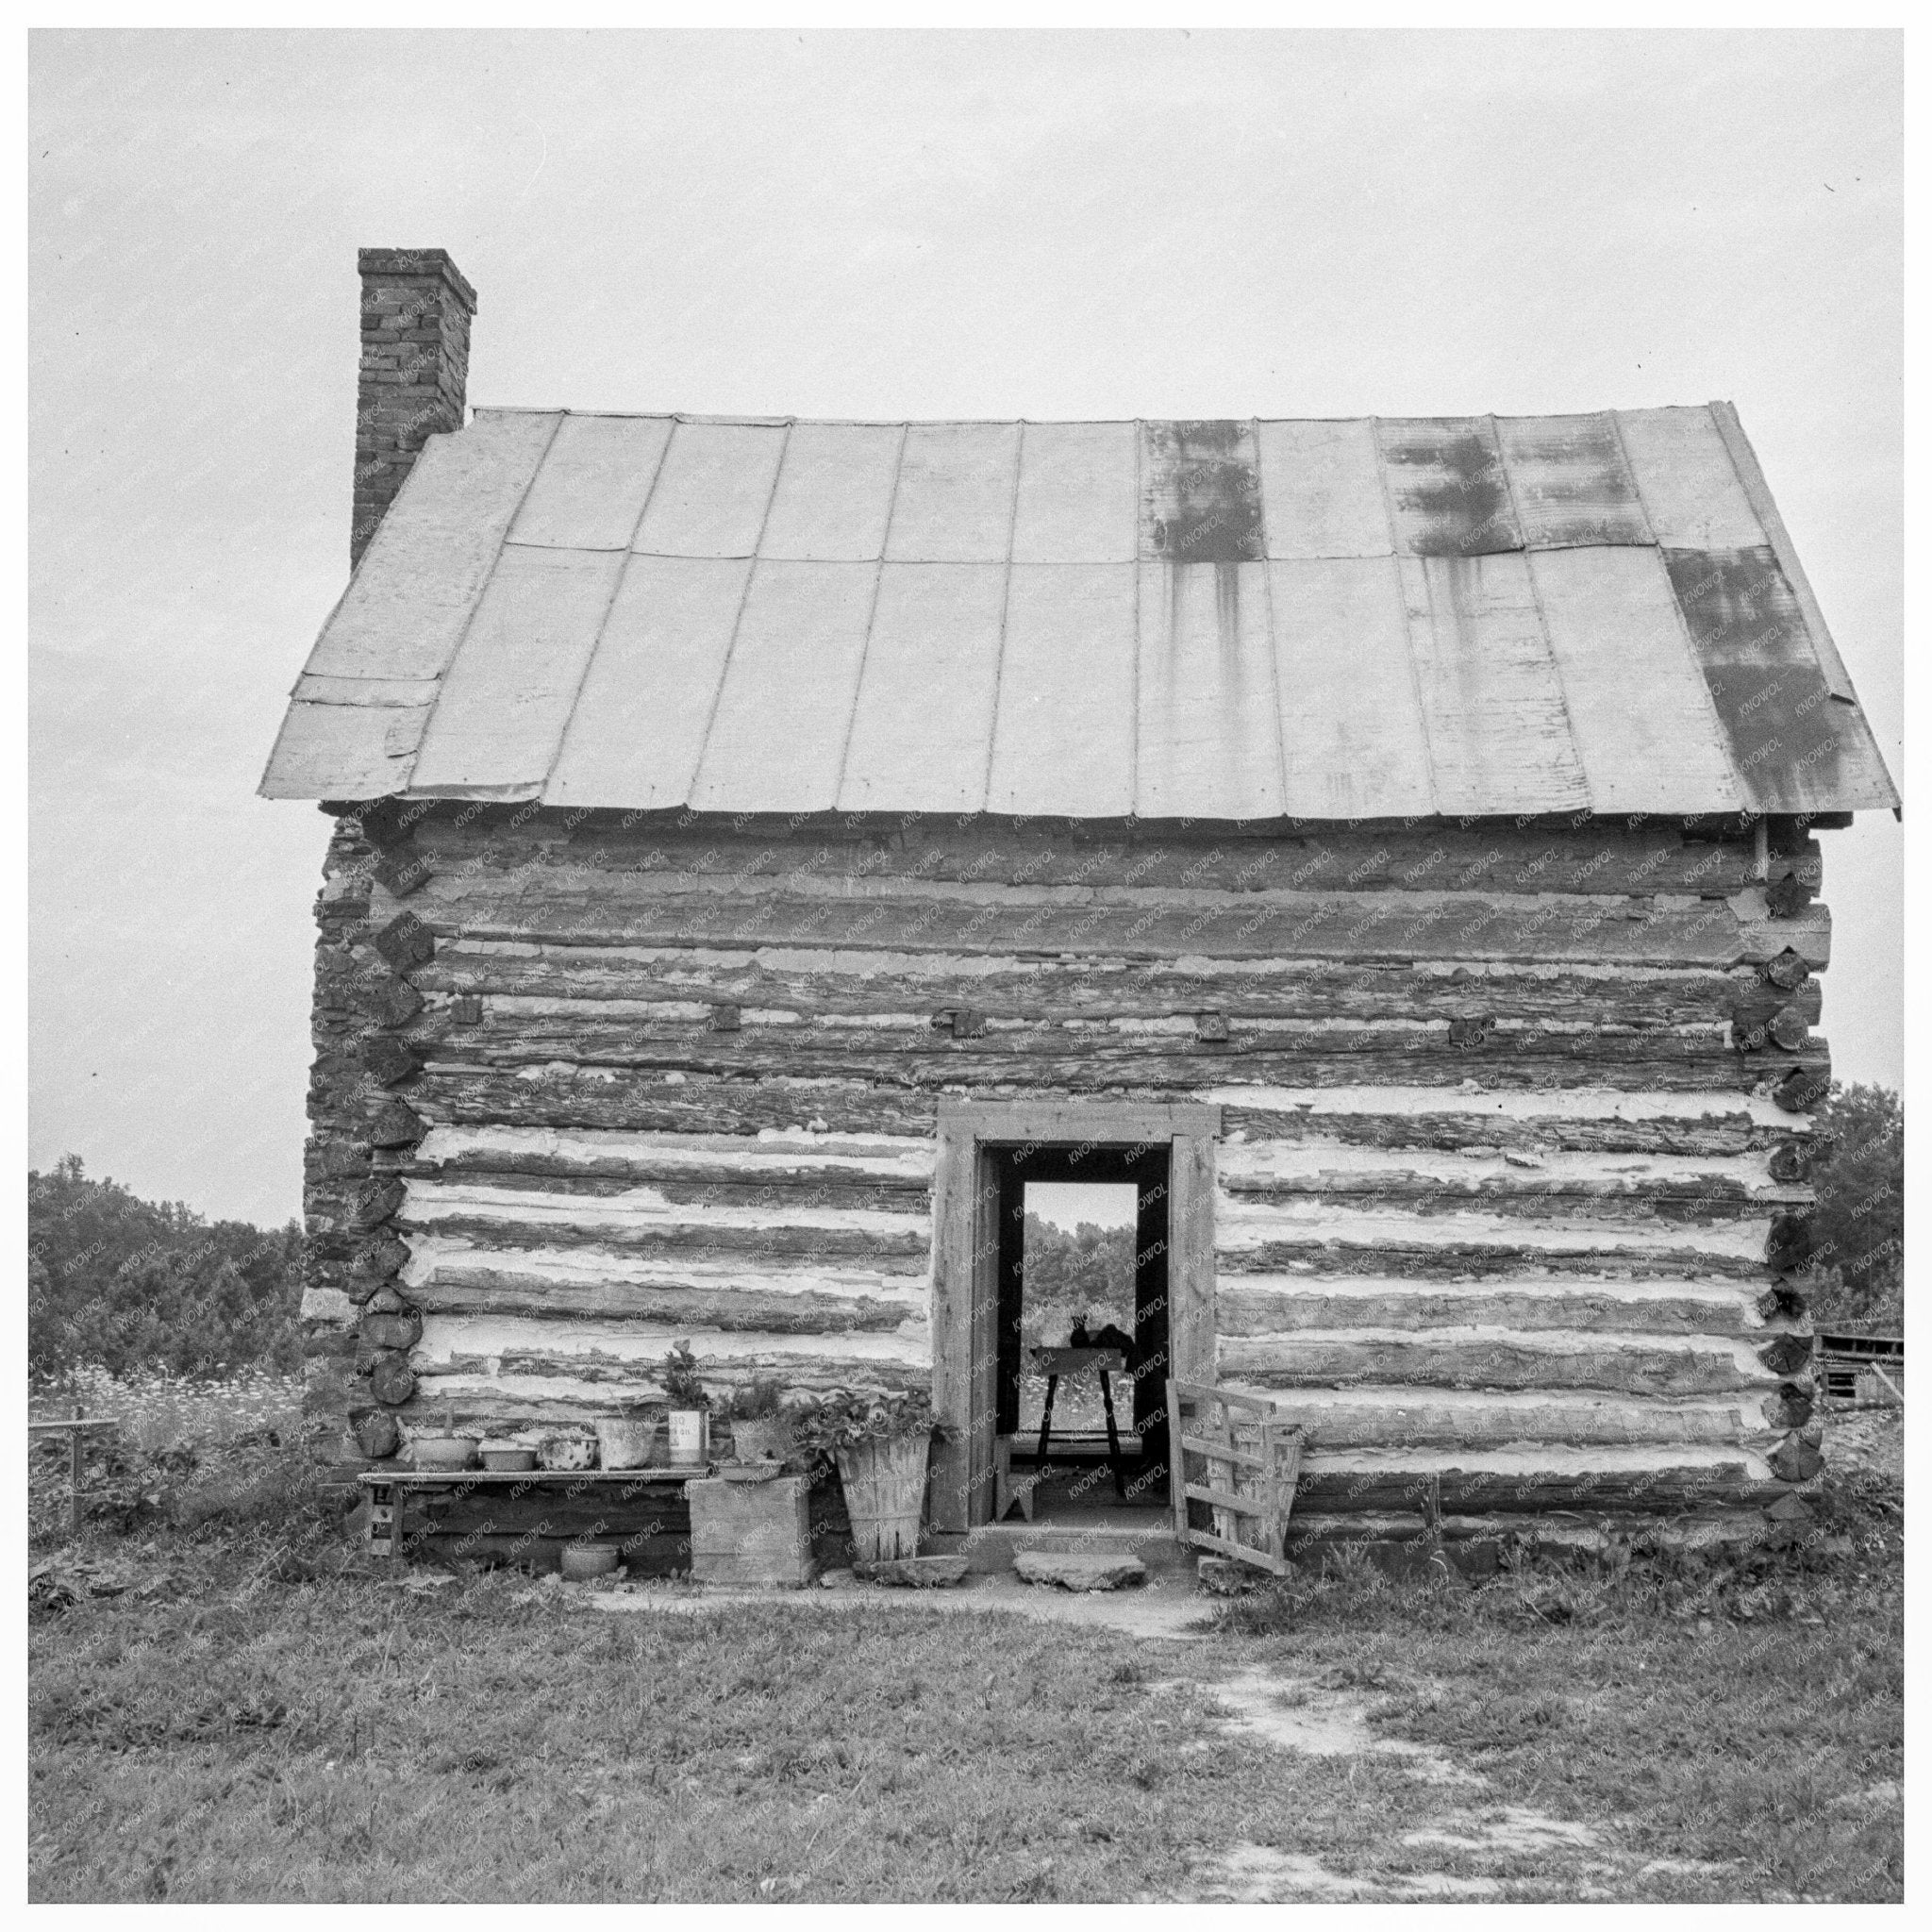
1145	1169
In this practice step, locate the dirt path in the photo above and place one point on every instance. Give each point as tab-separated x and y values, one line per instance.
1163	1606
1463	1844
1495	1850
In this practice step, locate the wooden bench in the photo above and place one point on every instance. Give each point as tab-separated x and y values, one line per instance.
390	1488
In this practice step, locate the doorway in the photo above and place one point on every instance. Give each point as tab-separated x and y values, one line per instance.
991	1156
1083	1238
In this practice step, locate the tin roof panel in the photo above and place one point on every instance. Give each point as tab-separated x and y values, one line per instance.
713	492
1570	483
1322	490
639	727
834	492
955	499
593	482
778	737
1079	493
1457	616
1063	732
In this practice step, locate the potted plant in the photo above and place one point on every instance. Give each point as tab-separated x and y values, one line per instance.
691	1409
879	1442
761	1429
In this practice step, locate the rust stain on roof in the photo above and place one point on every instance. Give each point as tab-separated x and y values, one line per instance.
1447	487
1200	492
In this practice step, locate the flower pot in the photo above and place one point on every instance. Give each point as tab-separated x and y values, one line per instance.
768	1439
884	1496
567	1452
690	1438
624	1441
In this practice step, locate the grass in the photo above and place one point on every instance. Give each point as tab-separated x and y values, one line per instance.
259	1717
338	1738
1768	1742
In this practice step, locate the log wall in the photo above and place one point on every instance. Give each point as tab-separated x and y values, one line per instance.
1512	1157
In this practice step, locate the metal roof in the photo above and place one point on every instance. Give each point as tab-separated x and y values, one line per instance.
1224	620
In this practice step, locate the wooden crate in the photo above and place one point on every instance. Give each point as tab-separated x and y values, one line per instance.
750	1532
1236	1459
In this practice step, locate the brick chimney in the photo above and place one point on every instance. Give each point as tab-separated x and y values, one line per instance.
416	311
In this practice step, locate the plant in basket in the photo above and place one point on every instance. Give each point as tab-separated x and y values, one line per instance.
760	1428
879	1442
689	1420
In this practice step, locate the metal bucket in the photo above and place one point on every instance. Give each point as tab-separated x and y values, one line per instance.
624	1441
884	1496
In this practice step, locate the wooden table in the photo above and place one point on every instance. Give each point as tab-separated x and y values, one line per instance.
1055	1363
388	1488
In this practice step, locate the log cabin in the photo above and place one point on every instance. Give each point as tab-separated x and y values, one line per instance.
762	847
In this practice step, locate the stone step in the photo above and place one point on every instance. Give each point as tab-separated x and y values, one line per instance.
993	1547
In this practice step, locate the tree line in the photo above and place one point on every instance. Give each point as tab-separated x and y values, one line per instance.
127	1284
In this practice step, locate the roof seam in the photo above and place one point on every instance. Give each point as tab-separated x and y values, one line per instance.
1139	637
408	773
872	616
697	768
603	623
1744	466
999	662
1740	790
1267	609
1396	560
1630	475
1542	623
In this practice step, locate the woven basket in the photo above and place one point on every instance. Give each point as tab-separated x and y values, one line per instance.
884	1496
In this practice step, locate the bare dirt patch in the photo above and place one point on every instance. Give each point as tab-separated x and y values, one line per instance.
1263	1874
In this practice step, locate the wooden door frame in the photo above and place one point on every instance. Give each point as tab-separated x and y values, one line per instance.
965	1286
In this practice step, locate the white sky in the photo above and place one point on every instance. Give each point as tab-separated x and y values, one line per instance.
840	224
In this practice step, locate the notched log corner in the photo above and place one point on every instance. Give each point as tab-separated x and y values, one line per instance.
377	1202
1802	1089
397	1125
395	1002
1784	1355
1790	1243
399	872
392	1380
378	1435
406	942
400	1330
389	1061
